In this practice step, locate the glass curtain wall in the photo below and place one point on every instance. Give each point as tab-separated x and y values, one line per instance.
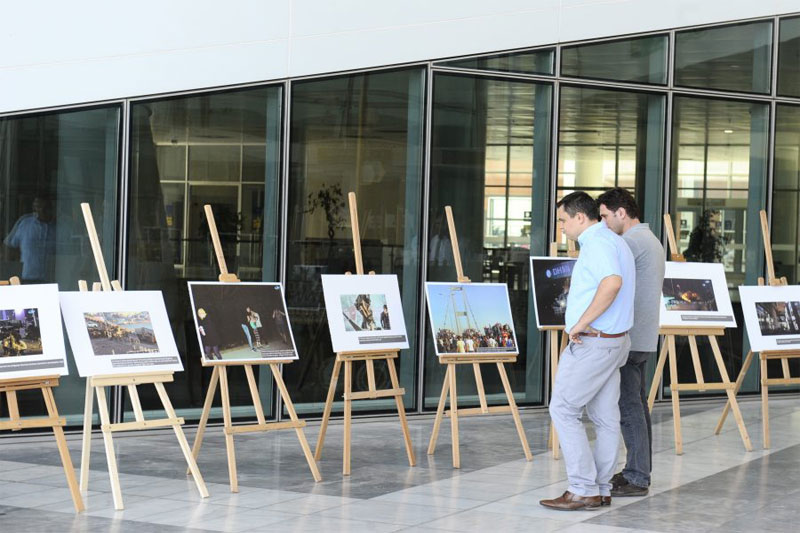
49	165
364	134
641	60
718	182
490	147
612	138
786	194
222	149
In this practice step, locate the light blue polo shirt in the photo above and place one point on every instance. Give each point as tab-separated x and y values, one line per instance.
603	253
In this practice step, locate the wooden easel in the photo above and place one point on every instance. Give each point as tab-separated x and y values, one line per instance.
449	384
765	356
558	343
668	351
220	375
97	384
369	357
53	420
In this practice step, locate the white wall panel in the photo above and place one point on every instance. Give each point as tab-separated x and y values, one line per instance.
60	53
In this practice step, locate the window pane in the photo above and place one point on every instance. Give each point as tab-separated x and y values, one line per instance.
535	62
49	164
612	139
187	152
487	134
642	60
730	58
720	151
361	133
786	194
789	58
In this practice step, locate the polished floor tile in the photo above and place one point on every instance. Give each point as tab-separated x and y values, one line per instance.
714	486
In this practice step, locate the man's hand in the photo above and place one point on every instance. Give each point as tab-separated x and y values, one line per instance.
575	332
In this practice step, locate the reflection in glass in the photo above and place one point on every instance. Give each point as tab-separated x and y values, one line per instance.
533	62
718	186
640	60
221	149
729	58
789	57
489	161
612	139
49	165
786	194
360	133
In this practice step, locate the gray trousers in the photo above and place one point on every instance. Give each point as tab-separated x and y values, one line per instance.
588	376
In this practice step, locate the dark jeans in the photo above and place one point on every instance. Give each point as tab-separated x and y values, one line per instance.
635	419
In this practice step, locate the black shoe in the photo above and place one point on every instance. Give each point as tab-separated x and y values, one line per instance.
618	479
605	500
626	489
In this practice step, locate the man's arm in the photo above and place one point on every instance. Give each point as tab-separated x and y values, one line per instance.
606	292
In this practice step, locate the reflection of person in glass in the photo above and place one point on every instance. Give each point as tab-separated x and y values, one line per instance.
385	324
208	332
254	319
34	235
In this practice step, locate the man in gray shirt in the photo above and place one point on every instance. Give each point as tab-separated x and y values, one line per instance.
618	208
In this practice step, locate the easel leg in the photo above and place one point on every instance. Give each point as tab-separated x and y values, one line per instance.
105	424
737	414
86	448
287	401
348	406
326	415
454	416
401	412
63	450
13	406
739	381
476	369
676	401
187	452
764	402
555	351
228	427
658	376
201	427
437	422
514	411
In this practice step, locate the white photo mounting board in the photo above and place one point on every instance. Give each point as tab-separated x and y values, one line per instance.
551	277
364	312
119	332
695	295
243	322
31	337
772	317
471	318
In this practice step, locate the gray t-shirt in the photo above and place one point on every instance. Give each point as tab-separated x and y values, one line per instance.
648	253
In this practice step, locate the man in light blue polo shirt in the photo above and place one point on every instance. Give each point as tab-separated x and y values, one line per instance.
599	315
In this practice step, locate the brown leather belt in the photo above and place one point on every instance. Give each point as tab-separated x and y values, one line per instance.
603	335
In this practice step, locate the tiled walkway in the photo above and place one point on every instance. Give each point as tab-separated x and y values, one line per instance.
715	486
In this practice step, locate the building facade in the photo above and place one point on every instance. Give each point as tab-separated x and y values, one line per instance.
701	121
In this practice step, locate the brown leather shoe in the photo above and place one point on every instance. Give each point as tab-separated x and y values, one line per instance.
573	502
605	500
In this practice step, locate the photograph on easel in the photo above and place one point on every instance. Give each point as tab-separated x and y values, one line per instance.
695	295
772	317
551	278
471	318
119	332
364	312
31	338
241	321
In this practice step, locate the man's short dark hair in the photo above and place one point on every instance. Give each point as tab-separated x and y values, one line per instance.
618	197
580	202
